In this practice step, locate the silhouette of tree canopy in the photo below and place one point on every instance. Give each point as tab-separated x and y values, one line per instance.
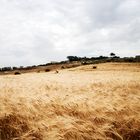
112	54
73	58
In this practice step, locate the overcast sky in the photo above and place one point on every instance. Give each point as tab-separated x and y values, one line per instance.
40	31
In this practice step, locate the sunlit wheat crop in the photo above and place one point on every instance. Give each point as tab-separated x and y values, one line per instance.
75	104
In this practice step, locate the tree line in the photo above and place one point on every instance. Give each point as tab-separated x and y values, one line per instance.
112	57
84	60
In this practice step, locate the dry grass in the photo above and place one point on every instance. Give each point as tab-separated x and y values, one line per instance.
76	104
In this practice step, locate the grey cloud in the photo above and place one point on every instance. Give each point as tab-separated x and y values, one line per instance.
33	32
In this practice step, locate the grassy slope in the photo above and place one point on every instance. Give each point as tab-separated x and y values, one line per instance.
79	103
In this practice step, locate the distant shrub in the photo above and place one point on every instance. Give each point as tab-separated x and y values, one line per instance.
6	69
84	63
47	70
109	60
17	73
15	68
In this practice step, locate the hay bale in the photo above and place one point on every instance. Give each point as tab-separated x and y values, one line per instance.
94	67
62	67
47	70
17	73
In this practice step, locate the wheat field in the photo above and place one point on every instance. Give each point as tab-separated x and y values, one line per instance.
76	104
